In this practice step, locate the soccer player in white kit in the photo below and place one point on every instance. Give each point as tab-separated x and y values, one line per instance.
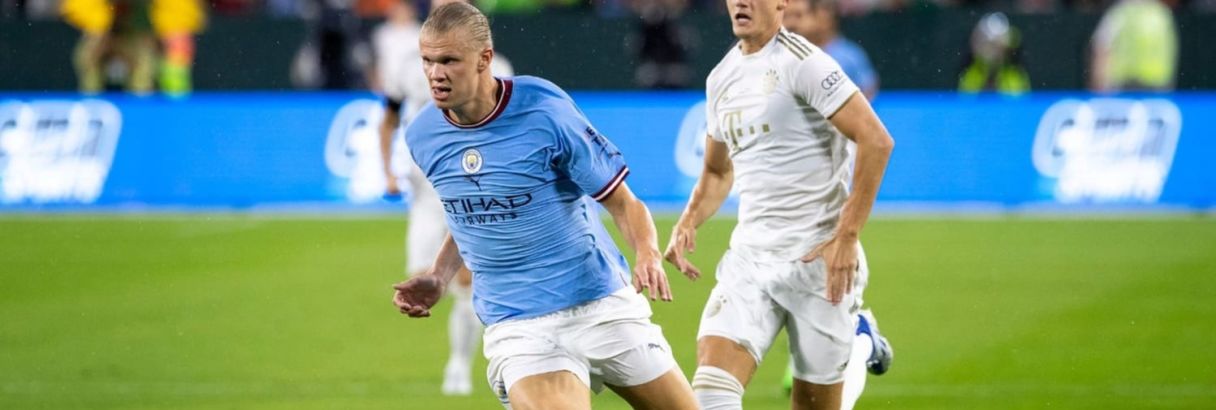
404	84
780	114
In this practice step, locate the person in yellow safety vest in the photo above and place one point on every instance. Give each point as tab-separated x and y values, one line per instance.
112	31
176	22
1135	47
994	59
128	30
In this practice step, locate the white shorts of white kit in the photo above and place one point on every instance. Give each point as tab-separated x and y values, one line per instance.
754	299
609	340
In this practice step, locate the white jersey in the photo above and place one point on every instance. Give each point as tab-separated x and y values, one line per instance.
791	165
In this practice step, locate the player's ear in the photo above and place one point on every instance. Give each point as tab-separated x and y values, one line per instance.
483	62
782	4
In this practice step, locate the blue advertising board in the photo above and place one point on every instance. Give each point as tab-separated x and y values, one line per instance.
320	150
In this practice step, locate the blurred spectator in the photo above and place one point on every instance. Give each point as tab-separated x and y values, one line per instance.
176	22
337	53
993	62
663	61
817	21
116	40
1135	48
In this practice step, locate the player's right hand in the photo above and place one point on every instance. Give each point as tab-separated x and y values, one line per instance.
416	296
648	274
683	239
840	258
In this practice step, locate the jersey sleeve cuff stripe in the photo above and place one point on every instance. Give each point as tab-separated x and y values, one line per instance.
611	187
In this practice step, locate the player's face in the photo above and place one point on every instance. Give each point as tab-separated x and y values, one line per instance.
452	66
754	18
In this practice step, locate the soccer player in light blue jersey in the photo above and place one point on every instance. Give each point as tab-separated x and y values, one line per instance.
512	160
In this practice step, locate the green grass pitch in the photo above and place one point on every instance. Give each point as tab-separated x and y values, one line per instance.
231	311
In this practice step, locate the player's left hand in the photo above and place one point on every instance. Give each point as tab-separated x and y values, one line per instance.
416	296
840	257
648	274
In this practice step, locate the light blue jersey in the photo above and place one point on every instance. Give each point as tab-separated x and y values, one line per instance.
512	187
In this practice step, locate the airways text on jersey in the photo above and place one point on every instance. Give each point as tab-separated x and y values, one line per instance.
485	210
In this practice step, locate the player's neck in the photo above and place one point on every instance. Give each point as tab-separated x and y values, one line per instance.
752	44
480	106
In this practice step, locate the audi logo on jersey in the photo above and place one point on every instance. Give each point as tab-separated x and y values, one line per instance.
831	81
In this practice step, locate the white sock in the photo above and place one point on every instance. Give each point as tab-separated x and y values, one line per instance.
855	373
464	329
717	389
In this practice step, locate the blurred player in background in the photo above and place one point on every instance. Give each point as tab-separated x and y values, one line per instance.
400	77
780	115
817	20
511	159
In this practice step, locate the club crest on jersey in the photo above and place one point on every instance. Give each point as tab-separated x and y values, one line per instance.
770	82
471	161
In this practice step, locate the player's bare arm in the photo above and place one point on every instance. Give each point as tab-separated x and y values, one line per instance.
711	190
857	121
633	219
387	127
416	296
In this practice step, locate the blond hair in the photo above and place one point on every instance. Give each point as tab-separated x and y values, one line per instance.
460	16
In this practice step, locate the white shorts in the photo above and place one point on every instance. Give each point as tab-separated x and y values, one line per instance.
427	229
609	340
753	300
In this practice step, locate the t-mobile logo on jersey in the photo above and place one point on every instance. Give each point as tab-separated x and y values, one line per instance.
733	130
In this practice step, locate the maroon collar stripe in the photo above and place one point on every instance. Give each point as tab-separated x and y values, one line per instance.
503	99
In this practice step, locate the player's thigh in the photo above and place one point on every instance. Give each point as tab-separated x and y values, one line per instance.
519	350
728	355
621	345
668	391
552	390
810	396
645	375
820	333
740	319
